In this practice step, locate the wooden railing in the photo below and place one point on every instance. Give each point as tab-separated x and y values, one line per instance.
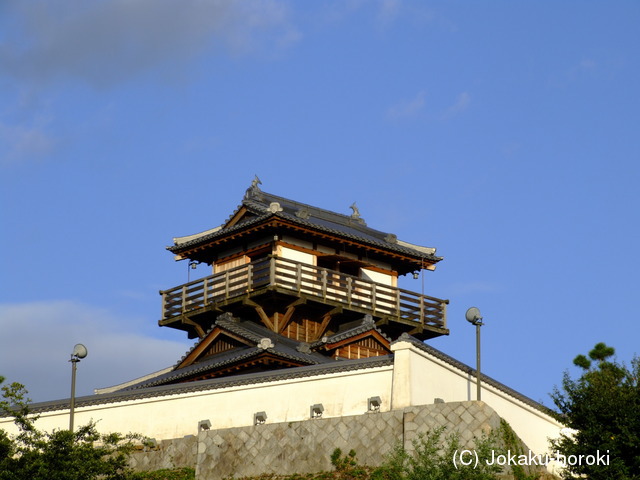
305	279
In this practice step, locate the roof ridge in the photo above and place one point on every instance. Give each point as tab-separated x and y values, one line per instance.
367	323
302	204
176	374
352	227
214	384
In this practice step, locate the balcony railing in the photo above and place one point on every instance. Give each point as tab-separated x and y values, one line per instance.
328	285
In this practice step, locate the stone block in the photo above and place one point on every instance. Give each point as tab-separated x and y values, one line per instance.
305	446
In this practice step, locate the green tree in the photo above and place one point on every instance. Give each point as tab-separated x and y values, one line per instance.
32	454
184	473
602	409
432	459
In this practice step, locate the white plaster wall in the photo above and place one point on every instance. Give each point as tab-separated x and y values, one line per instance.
430	378
416	378
341	394
296	255
377	277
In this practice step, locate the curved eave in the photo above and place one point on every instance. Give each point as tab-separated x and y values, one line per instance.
209	238
276	220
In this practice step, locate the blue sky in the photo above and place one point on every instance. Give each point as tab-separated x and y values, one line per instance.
503	133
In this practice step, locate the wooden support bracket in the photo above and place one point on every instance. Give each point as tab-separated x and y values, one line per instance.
286	318
187	321
418	329
263	316
326	319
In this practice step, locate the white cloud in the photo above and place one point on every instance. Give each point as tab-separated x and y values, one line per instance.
408	108
461	104
385	13
338	11
388	11
37	340
104	43
19	142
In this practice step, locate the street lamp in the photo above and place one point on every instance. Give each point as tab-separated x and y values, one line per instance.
474	317
79	351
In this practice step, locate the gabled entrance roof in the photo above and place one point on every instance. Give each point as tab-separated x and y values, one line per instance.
233	346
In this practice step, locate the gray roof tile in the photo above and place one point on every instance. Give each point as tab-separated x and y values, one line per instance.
213	384
282	347
353	328
258	202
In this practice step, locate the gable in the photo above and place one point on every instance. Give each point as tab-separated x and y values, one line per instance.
236	217
260	362
367	344
215	342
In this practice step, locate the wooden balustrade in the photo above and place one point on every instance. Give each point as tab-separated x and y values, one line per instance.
300	278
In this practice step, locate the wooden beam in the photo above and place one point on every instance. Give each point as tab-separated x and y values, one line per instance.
233	220
370	333
187	321
263	316
282	222
325	321
289	313
206	343
240	339
323	326
274	223
418	329
201	347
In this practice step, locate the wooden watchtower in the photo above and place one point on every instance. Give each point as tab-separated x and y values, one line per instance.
295	285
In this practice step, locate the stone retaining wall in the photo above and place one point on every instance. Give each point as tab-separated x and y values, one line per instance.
175	453
297	447
306	446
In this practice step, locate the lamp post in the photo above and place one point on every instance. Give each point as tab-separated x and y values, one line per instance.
474	317
79	351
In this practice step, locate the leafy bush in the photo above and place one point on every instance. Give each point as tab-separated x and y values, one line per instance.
83	454
602	408
347	467
432	459
165	474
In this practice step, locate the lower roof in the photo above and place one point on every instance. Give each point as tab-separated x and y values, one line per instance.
214	384
275	376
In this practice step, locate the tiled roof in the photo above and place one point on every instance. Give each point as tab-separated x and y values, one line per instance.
286	347
335	366
213	363
266	205
280	346
352	329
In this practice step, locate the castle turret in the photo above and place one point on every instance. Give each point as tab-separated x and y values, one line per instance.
296	285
